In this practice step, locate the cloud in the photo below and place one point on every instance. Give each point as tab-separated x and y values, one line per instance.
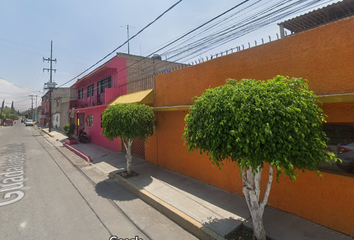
19	95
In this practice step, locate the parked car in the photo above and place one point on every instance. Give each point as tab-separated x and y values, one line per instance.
346	154
9	122
29	122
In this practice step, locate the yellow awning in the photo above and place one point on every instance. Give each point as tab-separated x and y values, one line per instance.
144	97
336	98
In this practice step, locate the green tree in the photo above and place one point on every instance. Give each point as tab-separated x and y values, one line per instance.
12	116
7	112
128	121
252	122
2	118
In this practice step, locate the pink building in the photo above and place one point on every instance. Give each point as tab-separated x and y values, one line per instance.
44	113
93	92
121	75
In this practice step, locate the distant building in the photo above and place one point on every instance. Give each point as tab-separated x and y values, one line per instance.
60	116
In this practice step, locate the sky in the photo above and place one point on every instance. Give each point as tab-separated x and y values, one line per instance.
85	31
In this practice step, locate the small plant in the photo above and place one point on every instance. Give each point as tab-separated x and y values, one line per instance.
69	130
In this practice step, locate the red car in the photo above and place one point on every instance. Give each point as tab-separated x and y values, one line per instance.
9	122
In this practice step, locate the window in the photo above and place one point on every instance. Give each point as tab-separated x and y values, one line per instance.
58	102
81	93
90	120
90	90
103	84
341	143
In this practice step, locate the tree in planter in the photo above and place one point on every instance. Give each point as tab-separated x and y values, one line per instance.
128	121
69	130
253	122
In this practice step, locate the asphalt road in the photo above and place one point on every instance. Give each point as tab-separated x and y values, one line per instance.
47	192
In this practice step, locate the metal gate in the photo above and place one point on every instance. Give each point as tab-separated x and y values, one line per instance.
138	148
80	122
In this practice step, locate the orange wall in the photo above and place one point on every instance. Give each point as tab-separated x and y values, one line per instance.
325	57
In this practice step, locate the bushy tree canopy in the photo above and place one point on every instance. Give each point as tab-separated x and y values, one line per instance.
12	116
251	122
129	121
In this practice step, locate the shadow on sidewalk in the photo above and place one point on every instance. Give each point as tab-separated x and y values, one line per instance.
222	225
111	190
223	199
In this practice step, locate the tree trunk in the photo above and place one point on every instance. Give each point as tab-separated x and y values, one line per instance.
251	180
128	155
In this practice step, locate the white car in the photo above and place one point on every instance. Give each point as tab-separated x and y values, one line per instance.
29	122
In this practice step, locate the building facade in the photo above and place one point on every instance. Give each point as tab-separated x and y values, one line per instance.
324	56
58	97
122	74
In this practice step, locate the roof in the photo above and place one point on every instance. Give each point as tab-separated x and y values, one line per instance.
321	16
91	73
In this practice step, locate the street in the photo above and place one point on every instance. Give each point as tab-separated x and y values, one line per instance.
47	192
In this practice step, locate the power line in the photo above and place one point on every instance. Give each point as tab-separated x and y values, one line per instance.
27	45
148	25
165	45
239	27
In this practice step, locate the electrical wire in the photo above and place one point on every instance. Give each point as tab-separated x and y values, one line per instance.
140	31
233	32
211	20
187	48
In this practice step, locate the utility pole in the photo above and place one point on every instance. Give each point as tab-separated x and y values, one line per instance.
36	110
2	107
128	38
31	105
127	26
50	84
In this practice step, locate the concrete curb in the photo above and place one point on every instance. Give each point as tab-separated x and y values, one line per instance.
182	219
46	132
77	152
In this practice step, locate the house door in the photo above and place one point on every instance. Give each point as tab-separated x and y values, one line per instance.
80	122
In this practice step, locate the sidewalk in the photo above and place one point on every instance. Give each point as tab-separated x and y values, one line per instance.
206	211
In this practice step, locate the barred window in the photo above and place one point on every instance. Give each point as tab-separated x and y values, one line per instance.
90	120
81	93
103	84
90	90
